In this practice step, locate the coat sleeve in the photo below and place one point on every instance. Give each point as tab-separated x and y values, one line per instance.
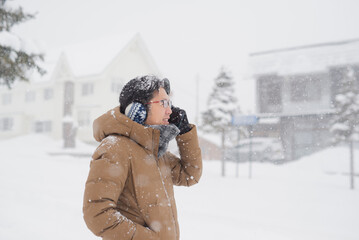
106	180
186	170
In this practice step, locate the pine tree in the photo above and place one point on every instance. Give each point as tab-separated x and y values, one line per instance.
221	108
15	57
345	122
221	104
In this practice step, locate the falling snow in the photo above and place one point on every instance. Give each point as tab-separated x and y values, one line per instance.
307	199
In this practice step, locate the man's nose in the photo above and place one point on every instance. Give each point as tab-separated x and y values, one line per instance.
168	110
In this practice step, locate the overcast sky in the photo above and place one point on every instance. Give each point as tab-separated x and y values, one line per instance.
196	37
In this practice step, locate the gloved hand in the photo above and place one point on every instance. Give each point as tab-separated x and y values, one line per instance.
178	117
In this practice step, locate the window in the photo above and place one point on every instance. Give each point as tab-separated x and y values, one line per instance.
6	124
48	93
84	118
274	96
42	126
269	89
305	89
6	99
30	96
87	89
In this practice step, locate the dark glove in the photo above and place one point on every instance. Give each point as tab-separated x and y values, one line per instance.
179	118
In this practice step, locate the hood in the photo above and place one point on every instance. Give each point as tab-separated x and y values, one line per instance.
114	122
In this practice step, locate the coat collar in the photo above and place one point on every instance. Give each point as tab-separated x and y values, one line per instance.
114	122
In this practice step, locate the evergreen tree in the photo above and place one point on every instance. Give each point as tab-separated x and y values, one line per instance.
345	122
221	108
221	104
16	59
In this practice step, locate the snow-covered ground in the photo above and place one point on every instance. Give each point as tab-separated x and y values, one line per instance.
41	197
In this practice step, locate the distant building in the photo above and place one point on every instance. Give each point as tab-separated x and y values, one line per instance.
295	91
82	82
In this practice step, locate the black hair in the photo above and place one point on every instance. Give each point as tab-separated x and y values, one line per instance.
141	89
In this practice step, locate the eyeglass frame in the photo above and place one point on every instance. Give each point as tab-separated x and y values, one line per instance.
164	102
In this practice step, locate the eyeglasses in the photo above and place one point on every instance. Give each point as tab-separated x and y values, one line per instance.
165	103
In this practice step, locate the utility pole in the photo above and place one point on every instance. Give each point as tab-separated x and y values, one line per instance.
238	151
223	153
250	152
351	164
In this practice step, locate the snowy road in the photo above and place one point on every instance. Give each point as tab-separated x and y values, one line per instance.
41	197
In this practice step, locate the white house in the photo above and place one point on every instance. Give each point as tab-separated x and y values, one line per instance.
81	83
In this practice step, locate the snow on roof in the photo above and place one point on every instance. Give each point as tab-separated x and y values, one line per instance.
294	113
312	58
93	56
85	58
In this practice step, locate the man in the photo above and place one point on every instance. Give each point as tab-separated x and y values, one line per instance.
129	190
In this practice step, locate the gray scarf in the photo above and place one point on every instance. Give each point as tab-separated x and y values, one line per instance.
167	133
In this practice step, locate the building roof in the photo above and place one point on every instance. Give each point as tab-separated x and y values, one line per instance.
264	116
304	59
93	56
86	58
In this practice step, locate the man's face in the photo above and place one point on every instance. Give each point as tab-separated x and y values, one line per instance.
158	115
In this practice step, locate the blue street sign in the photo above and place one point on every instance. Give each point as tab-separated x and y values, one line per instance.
244	120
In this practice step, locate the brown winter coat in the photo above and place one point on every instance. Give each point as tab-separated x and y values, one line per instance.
129	191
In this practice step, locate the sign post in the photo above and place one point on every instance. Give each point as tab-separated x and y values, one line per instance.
245	120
